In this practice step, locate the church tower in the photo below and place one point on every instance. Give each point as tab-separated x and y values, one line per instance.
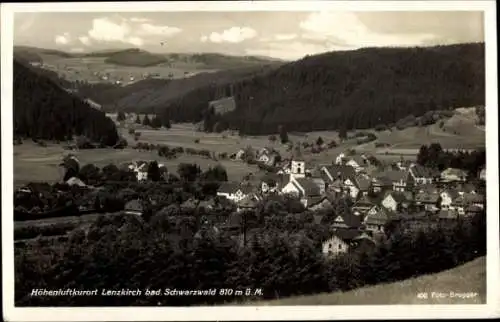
298	166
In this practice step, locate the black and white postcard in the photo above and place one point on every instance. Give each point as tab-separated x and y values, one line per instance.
257	160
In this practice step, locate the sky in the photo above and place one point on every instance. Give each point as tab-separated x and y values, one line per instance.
284	35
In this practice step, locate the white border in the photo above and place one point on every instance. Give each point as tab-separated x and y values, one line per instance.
264	312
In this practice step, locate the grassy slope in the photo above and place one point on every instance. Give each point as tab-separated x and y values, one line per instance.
470	277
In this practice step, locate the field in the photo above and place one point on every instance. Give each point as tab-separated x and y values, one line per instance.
470	277
34	163
91	68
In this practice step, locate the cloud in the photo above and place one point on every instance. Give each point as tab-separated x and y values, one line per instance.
137	19
77	50
292	50
85	40
285	36
346	28
63	39
231	35
149	29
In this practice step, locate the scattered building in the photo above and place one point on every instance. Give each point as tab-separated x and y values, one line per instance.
452	174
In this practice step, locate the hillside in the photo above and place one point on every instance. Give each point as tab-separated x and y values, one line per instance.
352	89
135	57
470	277
43	110
154	94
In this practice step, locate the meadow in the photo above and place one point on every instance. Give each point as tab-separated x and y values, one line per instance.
470	277
84	69
35	163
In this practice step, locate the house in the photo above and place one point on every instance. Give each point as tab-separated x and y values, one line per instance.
320	183
463	201
272	182
473	210
453	174
233	191
482	174
362	206
375	222
331	173
380	183
363	243
339	243
421	175
268	157
466	188
360	184
141	170
428	201
304	188
395	200
239	155
347	220
74	181
404	165
189	204
447	198
134	207
400	180
358	162
249	202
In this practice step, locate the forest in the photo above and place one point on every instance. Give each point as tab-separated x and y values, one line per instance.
353	89
43	110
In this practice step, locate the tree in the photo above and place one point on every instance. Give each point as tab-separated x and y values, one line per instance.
342	132
166	123
319	141
138	119
121	116
156	123
272	138
283	135
146	121
89	172
154	173
188	172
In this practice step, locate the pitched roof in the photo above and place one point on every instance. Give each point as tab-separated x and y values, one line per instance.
309	186
395	175
358	159
229	187
452	193
134	205
399	197
349	219
248	202
381	217
364	201
73	181
454	172
469	198
427	197
421	171
344	171
473	208
363	182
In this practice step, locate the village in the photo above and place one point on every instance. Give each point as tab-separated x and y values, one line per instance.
380	199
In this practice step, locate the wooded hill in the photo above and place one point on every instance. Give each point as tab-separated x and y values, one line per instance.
353	89
43	110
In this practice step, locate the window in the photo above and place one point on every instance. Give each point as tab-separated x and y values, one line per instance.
340	246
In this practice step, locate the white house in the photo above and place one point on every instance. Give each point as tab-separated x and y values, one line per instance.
233	191
452	174
393	200
334	246
358	162
447	198
421	175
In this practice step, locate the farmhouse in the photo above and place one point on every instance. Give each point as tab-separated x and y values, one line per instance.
395	200
272	182
421	175
401	180
223	105
360	184
358	162
447	198
452	174
347	220
339	243
427	200
375	222
233	191
333	172
362	206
